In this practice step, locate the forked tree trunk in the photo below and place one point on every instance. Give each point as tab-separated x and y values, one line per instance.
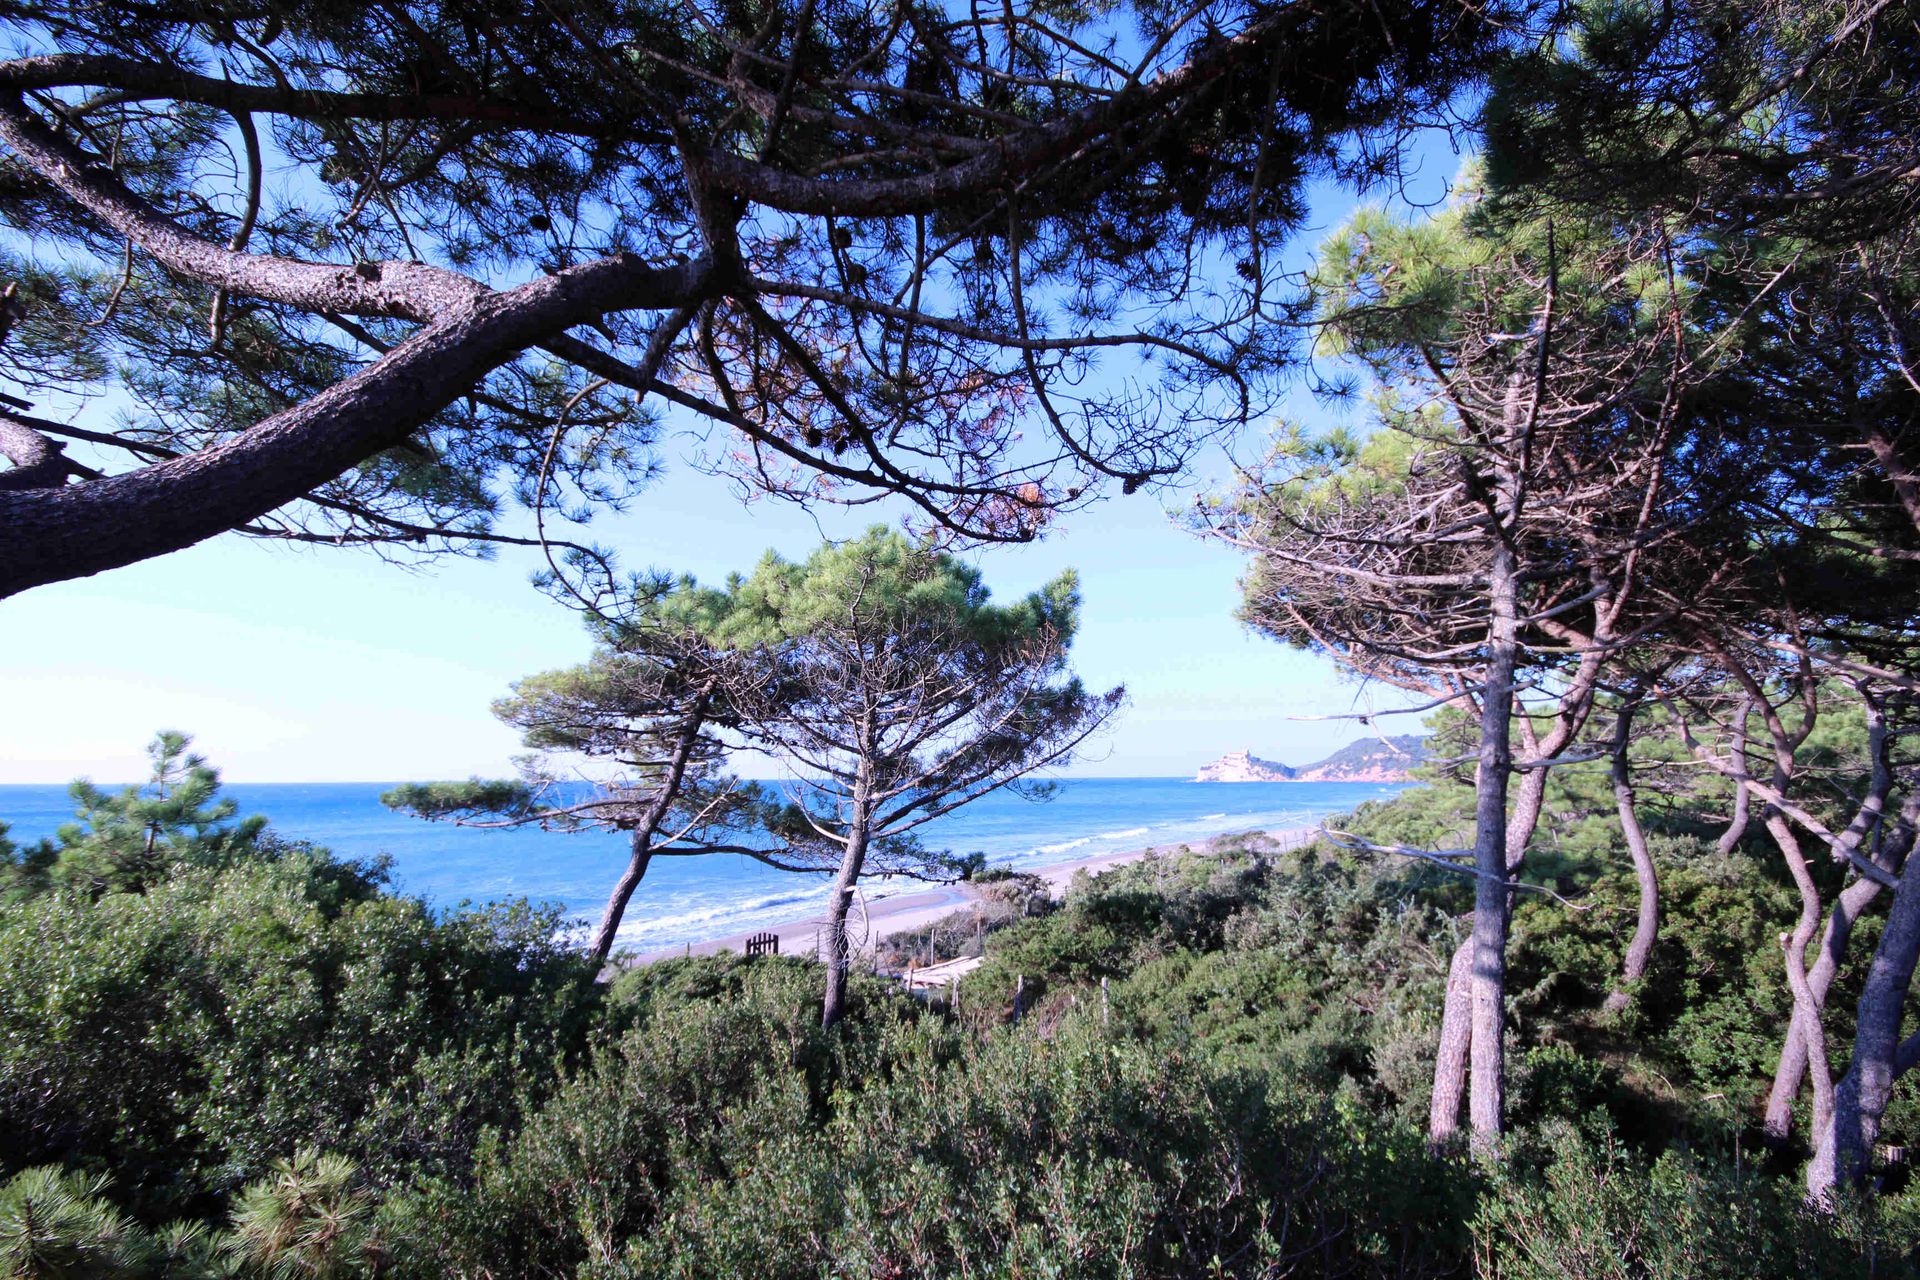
1456	1014
1487	1083
1647	925
1889	854
1843	1150
1791	1071
1806	1008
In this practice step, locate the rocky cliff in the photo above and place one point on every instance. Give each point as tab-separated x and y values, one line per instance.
1369	760
1240	766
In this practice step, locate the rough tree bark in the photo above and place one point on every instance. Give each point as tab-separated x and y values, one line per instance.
840	901
1450	1063
1487	1085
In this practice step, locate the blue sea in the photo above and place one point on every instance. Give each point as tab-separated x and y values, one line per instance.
692	900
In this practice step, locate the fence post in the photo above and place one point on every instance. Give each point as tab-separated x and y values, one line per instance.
1106	1010
1019	998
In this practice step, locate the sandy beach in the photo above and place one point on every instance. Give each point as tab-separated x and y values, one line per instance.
904	911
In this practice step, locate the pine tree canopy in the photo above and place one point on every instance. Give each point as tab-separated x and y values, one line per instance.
371	274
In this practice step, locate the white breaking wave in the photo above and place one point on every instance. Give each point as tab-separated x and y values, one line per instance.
667	930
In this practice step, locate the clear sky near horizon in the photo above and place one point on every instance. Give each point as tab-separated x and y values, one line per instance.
298	664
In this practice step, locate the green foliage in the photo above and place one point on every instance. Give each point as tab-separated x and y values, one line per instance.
187	1036
184	1018
883	583
1572	1208
725	1135
702	1039
56	1225
333	1082
123	842
306	1220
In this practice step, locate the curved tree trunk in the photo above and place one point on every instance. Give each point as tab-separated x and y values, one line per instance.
603	936
686	738
1844	1146
1889	853
839	957
1792	1069
1806	1009
1647	928
1742	798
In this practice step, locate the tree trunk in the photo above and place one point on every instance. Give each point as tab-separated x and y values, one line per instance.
834	1007
1487	1084
1806	1009
1888	854
1842	1151
1647	928
642	846
1742	799
1456	1015
1792	1068
1450	1063
686	738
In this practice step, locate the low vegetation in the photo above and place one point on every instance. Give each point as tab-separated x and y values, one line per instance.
260	1061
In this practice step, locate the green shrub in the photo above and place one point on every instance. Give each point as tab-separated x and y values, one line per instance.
1078	1155
185	1037
1572	1208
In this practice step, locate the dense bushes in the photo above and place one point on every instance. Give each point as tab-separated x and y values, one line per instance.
253	1060
1573	1206
184	1037
729	1137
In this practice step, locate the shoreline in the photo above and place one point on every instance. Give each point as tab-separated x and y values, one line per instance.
917	908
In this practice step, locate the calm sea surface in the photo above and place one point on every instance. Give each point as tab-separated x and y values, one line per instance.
696	899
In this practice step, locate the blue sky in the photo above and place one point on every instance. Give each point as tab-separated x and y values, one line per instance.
316	665
304	664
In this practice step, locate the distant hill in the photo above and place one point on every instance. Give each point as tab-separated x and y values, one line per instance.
1369	760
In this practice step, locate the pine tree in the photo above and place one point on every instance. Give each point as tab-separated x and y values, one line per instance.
651	705
56	1225
306	1220
124	841
895	691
